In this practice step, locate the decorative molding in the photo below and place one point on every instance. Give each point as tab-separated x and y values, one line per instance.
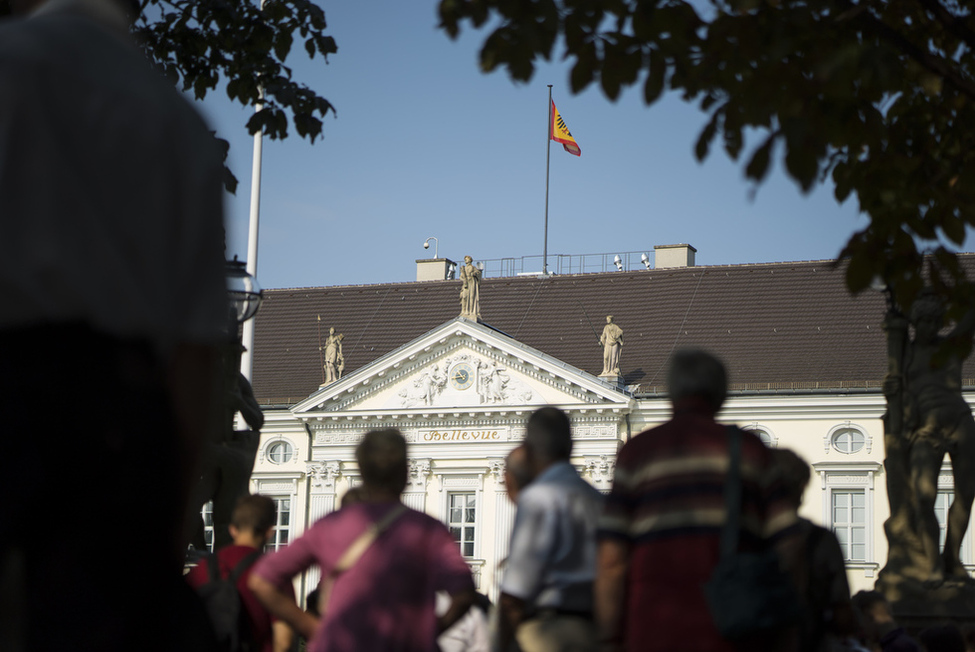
324	474
497	472
419	475
595	431
600	470
275	487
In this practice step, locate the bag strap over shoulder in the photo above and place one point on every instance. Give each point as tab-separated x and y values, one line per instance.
366	539
213	566
732	493
243	565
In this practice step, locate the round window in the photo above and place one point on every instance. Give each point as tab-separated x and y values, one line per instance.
848	440
280	452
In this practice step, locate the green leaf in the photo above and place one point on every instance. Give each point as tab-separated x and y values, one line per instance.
656	74
706	136
757	167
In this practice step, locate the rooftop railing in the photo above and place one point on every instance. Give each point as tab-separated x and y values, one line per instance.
563	264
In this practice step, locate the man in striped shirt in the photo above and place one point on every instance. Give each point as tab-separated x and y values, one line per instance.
660	531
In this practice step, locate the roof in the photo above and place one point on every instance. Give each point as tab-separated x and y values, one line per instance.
777	326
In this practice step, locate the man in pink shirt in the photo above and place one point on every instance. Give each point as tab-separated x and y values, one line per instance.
385	600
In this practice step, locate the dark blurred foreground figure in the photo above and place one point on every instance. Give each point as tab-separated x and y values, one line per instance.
111	274
251	527
882	631
660	532
828	615
942	638
383	600
546	591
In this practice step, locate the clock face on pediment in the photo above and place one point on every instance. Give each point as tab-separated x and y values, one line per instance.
462	376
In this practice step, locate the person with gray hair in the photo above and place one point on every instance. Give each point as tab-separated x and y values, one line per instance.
546	591
385	597
660	531
696	373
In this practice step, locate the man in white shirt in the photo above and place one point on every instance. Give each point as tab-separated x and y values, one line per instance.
546	592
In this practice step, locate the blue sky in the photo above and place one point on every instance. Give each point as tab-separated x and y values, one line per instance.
424	145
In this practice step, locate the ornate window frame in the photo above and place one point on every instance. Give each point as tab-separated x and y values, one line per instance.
845	476
829	443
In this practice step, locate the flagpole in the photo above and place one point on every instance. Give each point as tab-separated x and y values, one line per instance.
548	154
247	336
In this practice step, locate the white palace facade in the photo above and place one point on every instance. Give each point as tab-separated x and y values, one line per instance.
460	391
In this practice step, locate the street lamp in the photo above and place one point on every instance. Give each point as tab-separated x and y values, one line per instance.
243	291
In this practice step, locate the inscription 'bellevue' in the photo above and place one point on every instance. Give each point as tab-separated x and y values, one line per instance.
461	435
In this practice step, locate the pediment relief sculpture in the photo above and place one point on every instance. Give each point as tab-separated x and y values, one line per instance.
489	381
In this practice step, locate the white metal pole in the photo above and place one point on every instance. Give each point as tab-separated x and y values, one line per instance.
247	339
548	153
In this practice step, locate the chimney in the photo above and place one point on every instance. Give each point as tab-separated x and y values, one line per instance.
675	255
434	269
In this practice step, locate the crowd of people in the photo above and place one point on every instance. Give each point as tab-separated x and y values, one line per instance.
584	571
101	161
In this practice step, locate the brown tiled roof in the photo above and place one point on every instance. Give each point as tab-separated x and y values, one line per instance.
778	326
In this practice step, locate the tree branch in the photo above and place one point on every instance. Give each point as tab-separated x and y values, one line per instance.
951	23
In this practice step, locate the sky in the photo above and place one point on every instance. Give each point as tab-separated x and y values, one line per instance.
423	144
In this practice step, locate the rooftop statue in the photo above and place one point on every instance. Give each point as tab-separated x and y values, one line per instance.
470	302
334	360
612	341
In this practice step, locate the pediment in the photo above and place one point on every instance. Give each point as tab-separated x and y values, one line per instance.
461	365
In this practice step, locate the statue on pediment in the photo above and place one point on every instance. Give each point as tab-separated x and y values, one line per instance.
470	301
612	341
425	388
493	382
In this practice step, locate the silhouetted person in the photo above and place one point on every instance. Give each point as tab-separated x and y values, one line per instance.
111	272
385	599
879	624
517	472
942	638
821	572
546	591
251	527
660	532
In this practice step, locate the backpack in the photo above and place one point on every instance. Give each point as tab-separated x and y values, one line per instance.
225	606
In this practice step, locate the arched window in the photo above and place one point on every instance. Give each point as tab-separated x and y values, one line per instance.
763	433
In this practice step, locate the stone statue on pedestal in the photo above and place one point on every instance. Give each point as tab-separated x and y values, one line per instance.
470	299
612	341
227	462
926	418
334	360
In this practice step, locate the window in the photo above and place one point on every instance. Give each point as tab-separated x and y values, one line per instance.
282	528
461	517
848	440
280	452
207	513
941	506
849	521
848	509
763	433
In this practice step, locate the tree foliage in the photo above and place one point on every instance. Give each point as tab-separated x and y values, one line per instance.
877	95
201	43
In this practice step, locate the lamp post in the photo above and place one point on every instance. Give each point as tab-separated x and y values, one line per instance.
243	291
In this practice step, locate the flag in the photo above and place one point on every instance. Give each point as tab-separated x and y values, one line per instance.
558	132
